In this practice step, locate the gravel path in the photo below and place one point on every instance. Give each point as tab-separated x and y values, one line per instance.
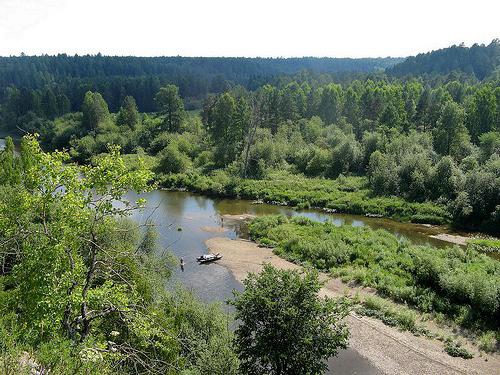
386	348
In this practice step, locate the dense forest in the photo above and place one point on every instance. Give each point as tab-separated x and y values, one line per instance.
53	85
479	61
69	77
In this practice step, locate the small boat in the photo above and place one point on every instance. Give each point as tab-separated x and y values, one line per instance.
206	258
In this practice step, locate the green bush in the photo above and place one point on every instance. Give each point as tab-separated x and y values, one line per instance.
391	315
488	341
484	245
460	283
456	350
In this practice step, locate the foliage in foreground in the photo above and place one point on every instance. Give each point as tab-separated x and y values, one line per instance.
461	283
81	290
285	327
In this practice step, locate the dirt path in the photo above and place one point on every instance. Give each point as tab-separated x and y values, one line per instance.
391	351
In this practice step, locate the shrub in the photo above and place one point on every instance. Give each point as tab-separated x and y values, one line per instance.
456	350
488	342
484	245
462	284
346	194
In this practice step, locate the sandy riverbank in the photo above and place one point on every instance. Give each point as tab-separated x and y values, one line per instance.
241	217
391	351
209	229
452	238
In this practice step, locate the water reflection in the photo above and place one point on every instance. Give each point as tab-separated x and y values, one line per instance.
179	218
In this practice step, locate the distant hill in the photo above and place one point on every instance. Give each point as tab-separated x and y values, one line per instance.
479	61
31	71
141	77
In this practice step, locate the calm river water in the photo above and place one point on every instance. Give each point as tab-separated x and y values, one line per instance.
185	221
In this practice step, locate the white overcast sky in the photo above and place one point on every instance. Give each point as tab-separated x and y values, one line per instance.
348	28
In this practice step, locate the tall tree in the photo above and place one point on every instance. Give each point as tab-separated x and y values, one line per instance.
286	328
63	104
450	131
331	104
128	115
292	102
171	105
482	116
268	97
391	117
255	121
351	107
49	104
227	120
94	110
411	95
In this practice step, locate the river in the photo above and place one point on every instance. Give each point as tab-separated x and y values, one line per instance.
185	221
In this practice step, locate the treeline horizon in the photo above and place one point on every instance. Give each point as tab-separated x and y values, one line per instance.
479	61
29	83
141	77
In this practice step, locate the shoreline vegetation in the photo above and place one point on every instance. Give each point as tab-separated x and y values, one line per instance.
344	195
374	321
329	196
349	195
452	284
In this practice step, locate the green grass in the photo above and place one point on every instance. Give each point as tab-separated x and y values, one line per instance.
485	245
488	341
392	315
345	194
460	283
